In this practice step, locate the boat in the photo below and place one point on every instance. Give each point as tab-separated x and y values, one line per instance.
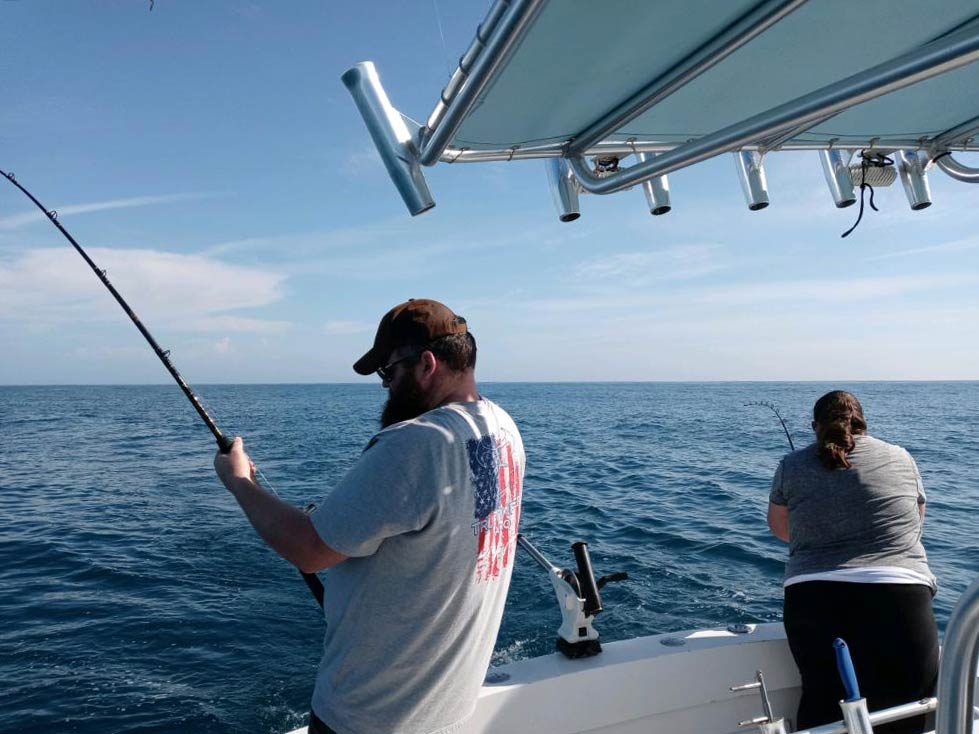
616	95
720	680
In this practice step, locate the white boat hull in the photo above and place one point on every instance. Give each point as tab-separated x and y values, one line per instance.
642	686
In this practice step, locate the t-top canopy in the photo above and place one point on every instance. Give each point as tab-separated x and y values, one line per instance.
673	82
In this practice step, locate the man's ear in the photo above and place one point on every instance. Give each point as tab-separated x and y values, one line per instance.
428	364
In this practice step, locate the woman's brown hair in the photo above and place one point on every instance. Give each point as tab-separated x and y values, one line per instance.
837	417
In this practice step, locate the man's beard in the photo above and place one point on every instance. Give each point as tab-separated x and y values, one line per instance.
403	404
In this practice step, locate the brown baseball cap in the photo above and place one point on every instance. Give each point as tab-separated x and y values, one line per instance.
417	322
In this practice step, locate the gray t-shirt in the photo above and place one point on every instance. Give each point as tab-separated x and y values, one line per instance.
429	517
864	516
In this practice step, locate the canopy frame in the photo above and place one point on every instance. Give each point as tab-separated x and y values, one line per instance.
405	145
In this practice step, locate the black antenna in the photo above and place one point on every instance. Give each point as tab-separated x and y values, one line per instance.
224	443
772	407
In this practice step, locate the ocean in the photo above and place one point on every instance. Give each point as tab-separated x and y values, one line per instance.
135	597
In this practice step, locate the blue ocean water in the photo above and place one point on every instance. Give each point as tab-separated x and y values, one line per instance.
135	598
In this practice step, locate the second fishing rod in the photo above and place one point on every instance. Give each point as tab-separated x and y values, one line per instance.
223	441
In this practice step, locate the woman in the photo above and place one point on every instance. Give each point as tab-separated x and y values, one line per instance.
851	508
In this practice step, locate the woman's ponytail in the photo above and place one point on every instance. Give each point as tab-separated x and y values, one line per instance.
838	416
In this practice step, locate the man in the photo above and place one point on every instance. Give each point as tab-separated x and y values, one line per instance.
418	537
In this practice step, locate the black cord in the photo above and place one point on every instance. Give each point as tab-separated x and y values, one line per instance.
877	160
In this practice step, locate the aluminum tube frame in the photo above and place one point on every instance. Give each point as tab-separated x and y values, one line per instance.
773	727
458	78
923	63
779	140
757	20
499	46
895	713
959	134
623	149
536	554
391	136
957	669
856	716
958	171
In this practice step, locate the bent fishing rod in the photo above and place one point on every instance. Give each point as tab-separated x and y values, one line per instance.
224	443
774	408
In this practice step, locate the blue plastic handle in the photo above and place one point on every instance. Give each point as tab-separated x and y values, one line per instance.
845	665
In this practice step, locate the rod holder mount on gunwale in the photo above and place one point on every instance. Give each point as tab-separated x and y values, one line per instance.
577	597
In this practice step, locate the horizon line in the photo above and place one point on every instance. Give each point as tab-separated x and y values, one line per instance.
504	382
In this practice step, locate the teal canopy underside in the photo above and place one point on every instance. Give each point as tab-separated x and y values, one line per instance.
580	59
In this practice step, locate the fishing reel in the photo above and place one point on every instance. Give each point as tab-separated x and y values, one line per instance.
578	598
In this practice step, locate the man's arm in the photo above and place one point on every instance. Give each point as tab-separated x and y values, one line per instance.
778	521
287	529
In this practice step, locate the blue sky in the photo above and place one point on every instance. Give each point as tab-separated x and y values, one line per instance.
208	156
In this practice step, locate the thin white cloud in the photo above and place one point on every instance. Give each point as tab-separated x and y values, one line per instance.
791	294
955	246
27	218
362	161
238	323
675	263
835	290
188	292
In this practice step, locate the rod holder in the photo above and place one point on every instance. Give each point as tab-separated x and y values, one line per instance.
751	174
564	189
856	716
657	190
389	131
586	578
911	168
836	169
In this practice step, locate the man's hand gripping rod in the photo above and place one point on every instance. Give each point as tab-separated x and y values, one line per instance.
224	443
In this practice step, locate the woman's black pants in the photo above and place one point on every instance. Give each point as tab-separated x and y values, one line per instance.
890	630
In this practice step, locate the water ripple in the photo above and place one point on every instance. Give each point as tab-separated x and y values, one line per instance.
137	599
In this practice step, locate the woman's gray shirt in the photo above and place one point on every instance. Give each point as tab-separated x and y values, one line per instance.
863	516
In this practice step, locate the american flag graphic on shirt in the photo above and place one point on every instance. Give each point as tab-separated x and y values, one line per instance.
496	479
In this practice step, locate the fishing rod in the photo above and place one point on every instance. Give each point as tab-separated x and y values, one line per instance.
772	407
224	443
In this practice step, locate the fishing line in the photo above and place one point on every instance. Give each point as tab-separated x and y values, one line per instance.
224	443
445	48
772	407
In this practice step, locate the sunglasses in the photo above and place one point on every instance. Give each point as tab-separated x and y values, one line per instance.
386	373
